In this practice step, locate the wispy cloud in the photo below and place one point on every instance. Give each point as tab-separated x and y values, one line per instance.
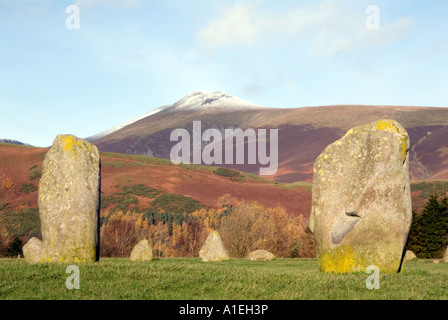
387	34
329	28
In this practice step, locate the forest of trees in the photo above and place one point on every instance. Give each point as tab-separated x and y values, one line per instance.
177	226
244	226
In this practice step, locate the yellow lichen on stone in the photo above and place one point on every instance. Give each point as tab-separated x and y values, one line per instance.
341	260
404	147
70	141
387	125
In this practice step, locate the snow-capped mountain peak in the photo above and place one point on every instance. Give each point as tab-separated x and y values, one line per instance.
196	100
203	99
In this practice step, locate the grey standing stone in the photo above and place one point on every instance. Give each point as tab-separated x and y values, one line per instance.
410	255
261	255
69	203
142	251
32	250
213	249
361	200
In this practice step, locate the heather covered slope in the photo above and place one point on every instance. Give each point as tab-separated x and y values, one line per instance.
303	134
20	169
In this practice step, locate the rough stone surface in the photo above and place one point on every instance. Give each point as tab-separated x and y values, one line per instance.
261	255
410	255
142	251
69	202
32	250
361	202
445	255
213	249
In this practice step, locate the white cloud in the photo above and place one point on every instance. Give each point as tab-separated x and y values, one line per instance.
328	28
240	24
386	34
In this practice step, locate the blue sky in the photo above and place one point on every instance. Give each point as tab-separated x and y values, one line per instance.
131	56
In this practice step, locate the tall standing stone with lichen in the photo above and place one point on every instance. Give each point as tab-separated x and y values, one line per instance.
361	202
69	203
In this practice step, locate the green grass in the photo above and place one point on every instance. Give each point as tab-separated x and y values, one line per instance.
427	188
192	279
295	185
144	159
120	164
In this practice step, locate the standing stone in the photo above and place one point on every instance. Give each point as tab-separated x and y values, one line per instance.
261	255
361	201
213	249
142	251
69	203
410	255
32	250
445	255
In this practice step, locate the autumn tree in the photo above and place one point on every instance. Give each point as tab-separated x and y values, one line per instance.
244	226
159	235
250	226
121	233
244	229
227	201
300	243
277	231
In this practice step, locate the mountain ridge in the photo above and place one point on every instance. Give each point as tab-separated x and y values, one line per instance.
303	133
11	141
199	99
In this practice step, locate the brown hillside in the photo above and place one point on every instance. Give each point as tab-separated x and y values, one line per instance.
125	170
198	182
303	134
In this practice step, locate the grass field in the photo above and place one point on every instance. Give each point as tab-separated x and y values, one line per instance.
237	279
